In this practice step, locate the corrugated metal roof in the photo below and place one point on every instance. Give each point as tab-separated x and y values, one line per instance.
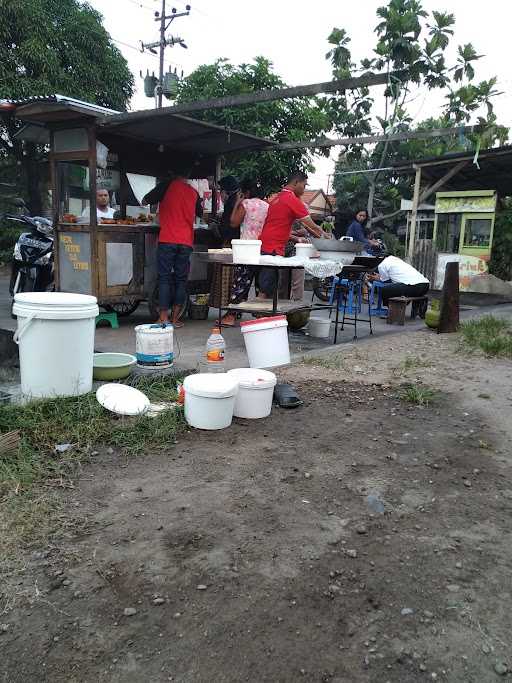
62	99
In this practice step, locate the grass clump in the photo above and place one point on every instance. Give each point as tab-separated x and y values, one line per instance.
417	394
82	422
332	362
488	334
413	363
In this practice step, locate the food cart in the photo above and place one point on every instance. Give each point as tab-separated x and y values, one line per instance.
114	259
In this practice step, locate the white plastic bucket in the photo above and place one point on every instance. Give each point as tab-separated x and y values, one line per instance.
319	327
246	251
210	400
255	392
304	250
266	341
154	346
56	342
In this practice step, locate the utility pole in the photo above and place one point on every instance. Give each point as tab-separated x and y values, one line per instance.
162	53
165	21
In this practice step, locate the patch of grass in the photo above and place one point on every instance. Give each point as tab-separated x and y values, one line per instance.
417	394
83	423
333	362
488	334
24	521
413	363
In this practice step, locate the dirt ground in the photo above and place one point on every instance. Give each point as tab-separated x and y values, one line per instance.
358	538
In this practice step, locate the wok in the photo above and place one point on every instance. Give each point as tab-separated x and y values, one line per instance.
337	245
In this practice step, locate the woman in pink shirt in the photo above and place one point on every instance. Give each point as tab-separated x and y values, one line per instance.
249	215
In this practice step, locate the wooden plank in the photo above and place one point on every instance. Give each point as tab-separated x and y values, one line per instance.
414	214
449	316
373	139
262	306
439	183
310	90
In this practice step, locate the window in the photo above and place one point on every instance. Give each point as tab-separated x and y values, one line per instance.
477	232
448	232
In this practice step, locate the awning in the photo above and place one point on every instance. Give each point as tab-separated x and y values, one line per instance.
183	133
493	172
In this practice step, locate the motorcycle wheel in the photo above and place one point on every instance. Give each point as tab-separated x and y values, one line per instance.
322	288
124	308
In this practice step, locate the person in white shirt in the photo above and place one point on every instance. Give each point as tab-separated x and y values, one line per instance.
103	208
400	279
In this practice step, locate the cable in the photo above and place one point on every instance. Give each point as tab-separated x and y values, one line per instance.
142	5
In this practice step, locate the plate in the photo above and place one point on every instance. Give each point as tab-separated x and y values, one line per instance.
122	400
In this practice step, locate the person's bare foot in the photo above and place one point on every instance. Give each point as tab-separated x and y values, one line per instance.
177	324
228	320
262	297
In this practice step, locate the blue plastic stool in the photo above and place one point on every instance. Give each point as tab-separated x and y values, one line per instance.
379	309
354	294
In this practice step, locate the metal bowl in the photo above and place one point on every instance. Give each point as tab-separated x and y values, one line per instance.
109	366
337	245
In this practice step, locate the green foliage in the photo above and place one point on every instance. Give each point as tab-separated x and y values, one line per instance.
294	119
501	256
60	46
49	47
410	41
488	334
417	394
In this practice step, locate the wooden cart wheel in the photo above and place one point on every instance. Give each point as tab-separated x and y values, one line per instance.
124	308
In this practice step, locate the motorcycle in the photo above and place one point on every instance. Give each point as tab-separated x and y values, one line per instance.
32	263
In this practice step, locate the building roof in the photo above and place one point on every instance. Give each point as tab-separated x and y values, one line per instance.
493	170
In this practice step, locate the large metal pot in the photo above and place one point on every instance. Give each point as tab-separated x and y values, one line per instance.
337	245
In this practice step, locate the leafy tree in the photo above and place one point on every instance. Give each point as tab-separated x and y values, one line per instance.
48	47
501	256
294	119
413	43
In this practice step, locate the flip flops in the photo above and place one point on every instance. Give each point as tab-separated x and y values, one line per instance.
286	396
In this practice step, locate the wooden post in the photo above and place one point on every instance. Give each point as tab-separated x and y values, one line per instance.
93	222
414	213
449	316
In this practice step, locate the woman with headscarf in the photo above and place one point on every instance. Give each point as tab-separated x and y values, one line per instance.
222	279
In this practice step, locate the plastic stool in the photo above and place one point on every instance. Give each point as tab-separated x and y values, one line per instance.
110	317
379	309
354	294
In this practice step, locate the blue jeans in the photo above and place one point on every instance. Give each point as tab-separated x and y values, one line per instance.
173	269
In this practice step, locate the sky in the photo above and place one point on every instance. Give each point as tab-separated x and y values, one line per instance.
293	36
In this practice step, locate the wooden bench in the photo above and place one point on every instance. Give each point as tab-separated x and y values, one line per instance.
398	304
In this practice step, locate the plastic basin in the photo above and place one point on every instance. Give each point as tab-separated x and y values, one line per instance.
109	366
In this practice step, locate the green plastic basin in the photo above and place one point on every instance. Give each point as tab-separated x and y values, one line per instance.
109	366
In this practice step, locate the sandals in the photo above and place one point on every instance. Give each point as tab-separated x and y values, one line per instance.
286	396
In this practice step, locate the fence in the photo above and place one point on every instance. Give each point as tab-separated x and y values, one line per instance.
425	258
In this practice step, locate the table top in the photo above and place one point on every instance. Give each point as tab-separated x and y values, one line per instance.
227	260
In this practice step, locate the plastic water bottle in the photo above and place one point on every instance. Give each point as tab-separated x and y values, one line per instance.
215	351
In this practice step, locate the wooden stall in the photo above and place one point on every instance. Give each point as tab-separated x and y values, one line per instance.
115	258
